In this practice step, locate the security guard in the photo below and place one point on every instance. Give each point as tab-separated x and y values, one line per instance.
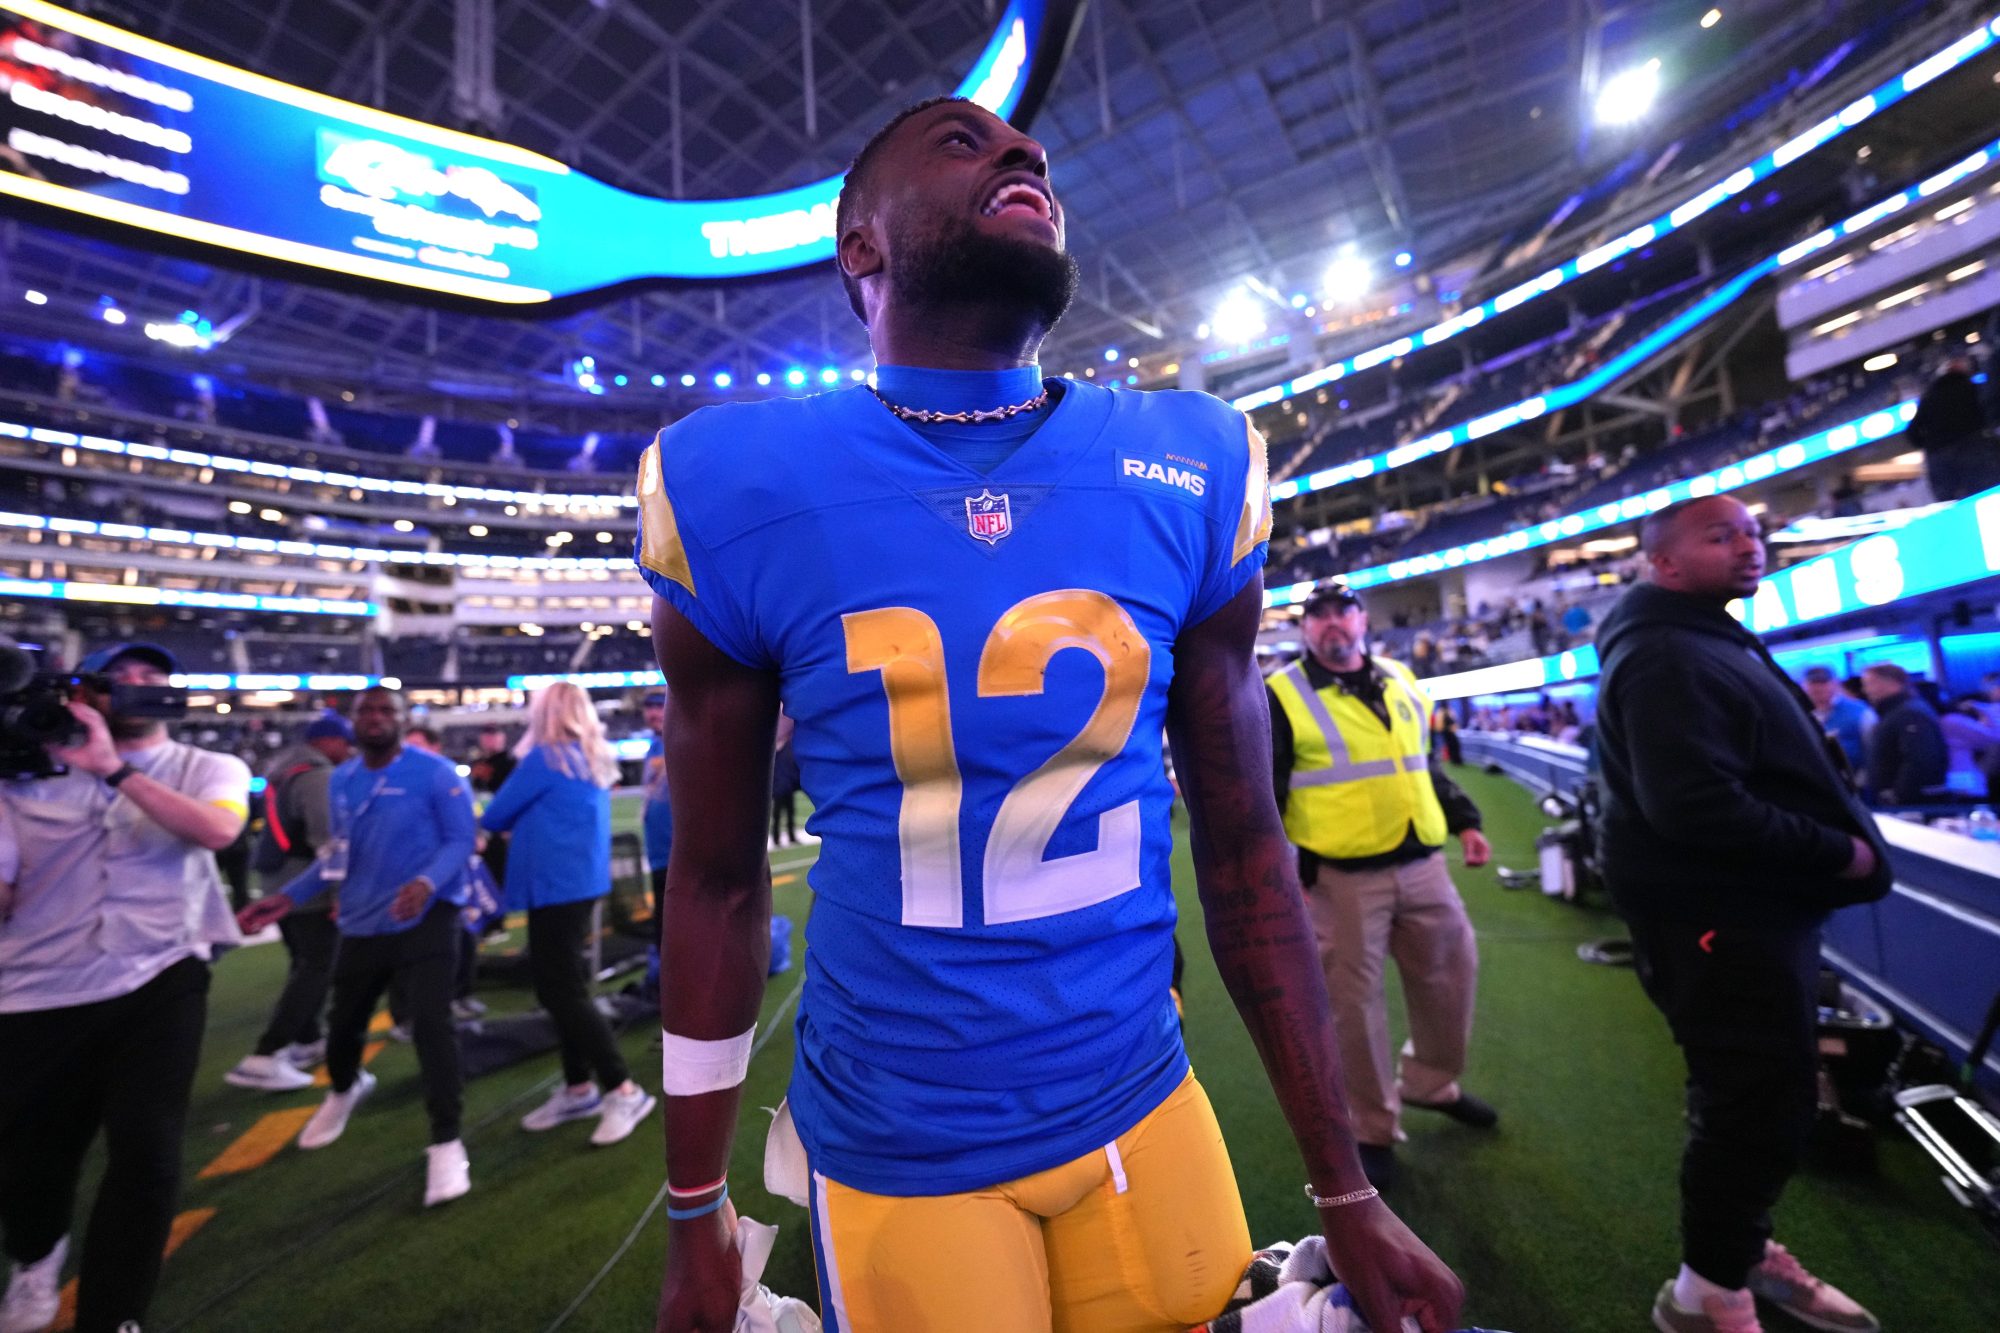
1369	813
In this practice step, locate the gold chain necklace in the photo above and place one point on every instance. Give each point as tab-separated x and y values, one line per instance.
924	416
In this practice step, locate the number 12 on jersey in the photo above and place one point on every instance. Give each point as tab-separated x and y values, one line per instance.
905	646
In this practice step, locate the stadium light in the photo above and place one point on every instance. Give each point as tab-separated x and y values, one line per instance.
619	380
795	377
829	376
1348	279
763	379
113	315
687	381
1628	96
1404	259
857	375
1111	354
585	380
1238	318
1711	18
723	379
33	297
659	381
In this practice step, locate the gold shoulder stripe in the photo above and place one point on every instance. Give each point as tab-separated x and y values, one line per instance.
660	548
1255	525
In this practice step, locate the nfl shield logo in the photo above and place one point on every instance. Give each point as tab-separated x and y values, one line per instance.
988	517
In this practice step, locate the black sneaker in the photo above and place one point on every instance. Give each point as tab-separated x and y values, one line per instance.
1378	1163
1466	1110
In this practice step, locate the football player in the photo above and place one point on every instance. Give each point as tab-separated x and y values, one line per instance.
982	594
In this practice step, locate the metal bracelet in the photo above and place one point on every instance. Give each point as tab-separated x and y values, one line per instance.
1341	1200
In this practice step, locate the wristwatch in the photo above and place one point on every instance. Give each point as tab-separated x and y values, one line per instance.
118	775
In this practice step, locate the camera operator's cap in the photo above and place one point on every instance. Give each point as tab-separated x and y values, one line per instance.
655	699
150	653
1332	599
331	724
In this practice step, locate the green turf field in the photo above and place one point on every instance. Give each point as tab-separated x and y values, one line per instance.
1561	1222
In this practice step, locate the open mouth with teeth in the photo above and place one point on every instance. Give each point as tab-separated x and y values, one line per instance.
1016	199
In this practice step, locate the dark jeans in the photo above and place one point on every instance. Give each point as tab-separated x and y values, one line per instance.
562	984
126	1065
310	938
420	963
1743	1004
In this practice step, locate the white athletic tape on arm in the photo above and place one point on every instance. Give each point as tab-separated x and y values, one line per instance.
689	1067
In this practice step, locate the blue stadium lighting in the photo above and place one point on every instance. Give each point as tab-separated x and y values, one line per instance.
859	376
586	380
1785	458
589	362
123	595
618	380
1404	259
33	297
1576	391
113	315
218	681
723	379
659	381
763	379
795	377
590	680
1956	546
687	381
1720	191
829	376
1298	300
1111	354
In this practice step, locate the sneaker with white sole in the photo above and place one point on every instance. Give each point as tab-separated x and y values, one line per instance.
622	1113
267	1073
562	1107
1724	1312
1783	1281
330	1121
305	1054
447	1173
35	1293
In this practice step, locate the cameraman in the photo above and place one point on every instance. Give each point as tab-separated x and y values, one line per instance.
104	990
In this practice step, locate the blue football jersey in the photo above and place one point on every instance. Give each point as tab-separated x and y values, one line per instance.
978	667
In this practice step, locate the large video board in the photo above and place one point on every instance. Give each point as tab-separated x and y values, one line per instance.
121	129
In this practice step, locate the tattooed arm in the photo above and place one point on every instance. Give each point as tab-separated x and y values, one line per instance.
1219	723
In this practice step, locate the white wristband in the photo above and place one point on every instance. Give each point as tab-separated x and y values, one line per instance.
689	1067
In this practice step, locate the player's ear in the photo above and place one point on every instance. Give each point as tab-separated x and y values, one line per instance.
858	255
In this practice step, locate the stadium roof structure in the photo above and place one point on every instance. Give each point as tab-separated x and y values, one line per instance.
1194	142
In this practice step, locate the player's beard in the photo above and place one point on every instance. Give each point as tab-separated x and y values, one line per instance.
956	264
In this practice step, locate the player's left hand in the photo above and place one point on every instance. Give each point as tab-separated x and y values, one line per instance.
411	900
1389	1272
1478	851
95	753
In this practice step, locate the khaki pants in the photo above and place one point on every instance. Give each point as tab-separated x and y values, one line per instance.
1412	913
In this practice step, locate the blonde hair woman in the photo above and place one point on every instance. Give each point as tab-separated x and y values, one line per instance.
557	805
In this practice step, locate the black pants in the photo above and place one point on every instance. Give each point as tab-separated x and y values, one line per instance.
310	938
125	1065
562	984
1743	1004
420	963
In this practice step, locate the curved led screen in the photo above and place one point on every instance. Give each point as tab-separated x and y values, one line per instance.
126	130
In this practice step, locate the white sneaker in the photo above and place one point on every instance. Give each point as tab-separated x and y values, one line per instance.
35	1293
267	1073
562	1107
305	1055
330	1121
622	1113
448	1173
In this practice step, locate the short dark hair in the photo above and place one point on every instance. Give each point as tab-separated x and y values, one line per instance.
854	190
1819	676
429	733
1888	671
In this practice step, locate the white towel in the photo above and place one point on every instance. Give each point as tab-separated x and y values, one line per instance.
1291	1289
760	1309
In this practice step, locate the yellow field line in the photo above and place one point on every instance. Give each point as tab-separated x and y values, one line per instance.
185	1225
321	1079
260	1143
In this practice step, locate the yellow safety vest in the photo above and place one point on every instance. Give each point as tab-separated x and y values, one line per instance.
1359	787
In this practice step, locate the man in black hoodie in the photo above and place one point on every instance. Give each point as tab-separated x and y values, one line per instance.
1730	831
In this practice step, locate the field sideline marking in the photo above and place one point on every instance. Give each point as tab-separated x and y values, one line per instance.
185	1225
259	1143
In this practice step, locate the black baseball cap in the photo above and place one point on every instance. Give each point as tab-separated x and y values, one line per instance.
1331	599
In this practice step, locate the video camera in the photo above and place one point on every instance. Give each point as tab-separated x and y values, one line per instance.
34	710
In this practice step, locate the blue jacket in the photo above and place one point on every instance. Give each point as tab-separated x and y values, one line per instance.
411	818
561	852
659	812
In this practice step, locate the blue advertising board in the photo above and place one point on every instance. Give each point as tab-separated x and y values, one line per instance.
122	129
